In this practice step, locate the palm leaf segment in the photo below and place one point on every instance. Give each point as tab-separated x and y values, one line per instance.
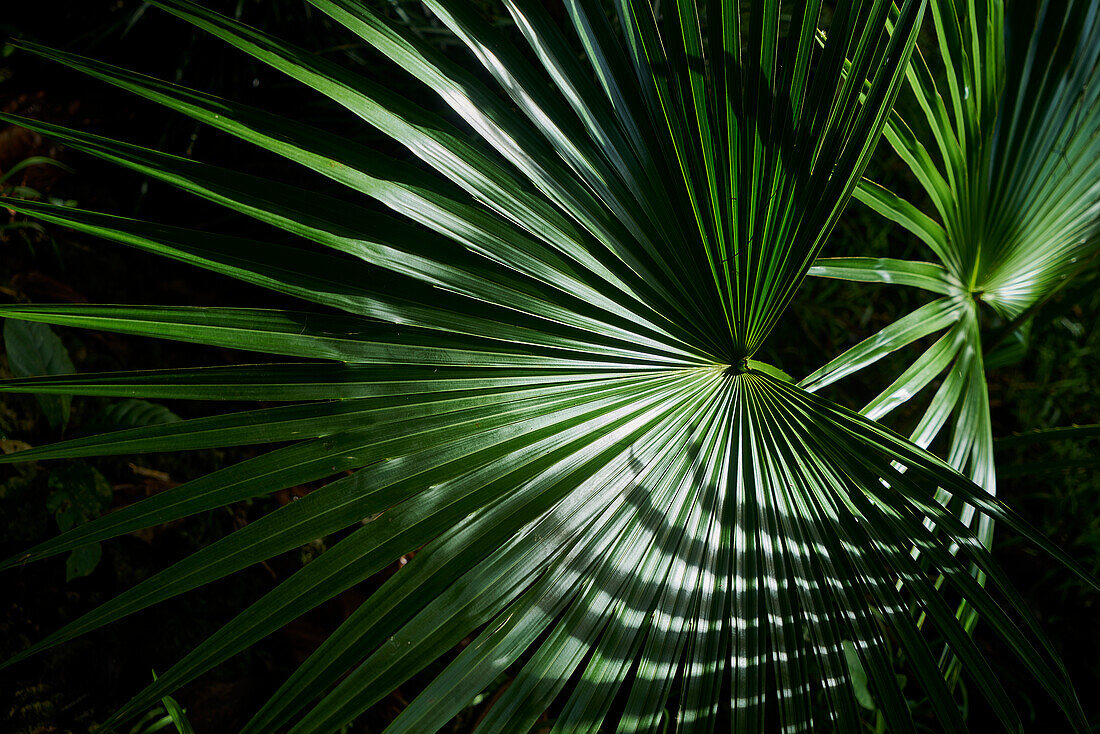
1006	144
542	384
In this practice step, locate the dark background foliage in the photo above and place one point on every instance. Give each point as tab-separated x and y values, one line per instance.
76	686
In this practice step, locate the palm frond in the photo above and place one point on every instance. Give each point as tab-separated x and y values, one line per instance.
1015	216
1004	138
543	383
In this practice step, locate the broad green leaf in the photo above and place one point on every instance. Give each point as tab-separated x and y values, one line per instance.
859	676
133	414
78	494
33	349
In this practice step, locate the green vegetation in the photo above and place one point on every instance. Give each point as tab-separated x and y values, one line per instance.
556	388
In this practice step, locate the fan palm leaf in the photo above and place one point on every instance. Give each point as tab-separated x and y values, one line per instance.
1003	139
1016	217
543	383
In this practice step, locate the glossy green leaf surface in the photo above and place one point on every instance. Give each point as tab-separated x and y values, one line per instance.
538	375
1000	125
34	349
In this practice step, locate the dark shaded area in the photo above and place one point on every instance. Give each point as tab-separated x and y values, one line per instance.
81	683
